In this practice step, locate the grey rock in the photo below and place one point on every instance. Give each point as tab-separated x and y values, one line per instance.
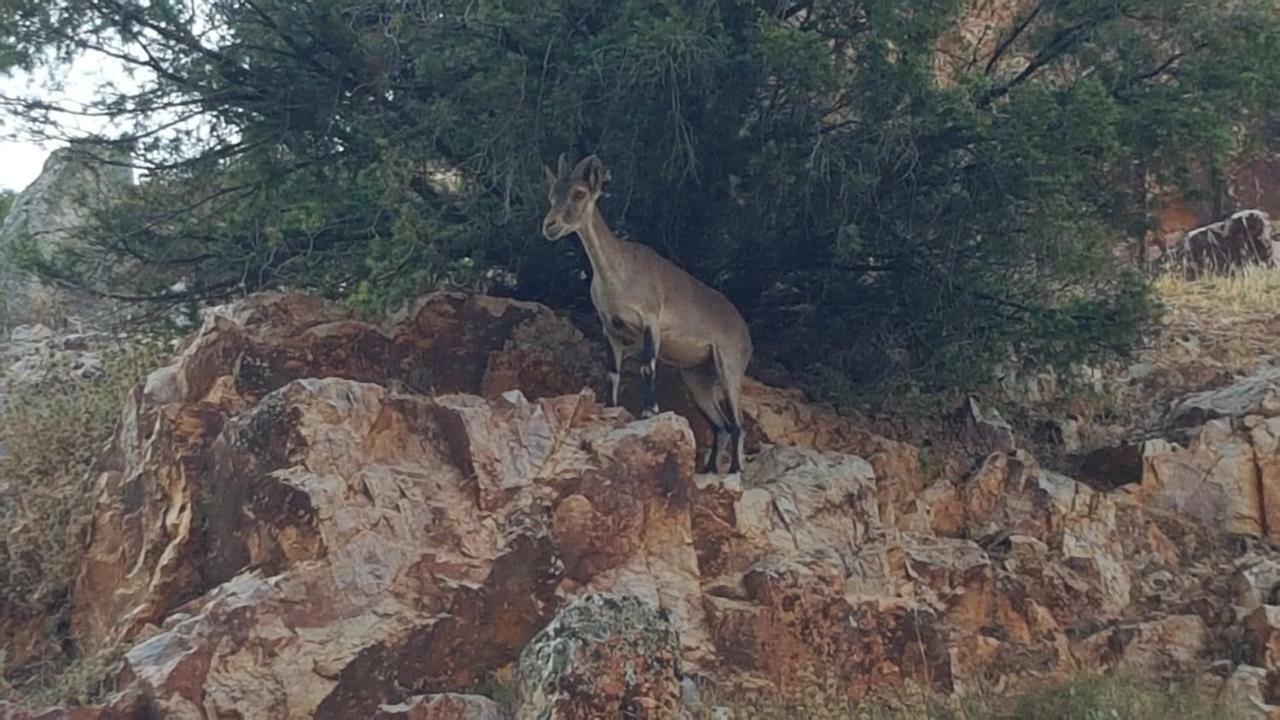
51	214
1256	394
985	432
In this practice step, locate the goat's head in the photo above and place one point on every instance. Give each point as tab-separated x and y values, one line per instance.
573	194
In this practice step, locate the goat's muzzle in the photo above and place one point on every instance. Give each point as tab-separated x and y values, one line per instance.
552	229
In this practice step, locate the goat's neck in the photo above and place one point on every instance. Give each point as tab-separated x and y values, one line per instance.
604	249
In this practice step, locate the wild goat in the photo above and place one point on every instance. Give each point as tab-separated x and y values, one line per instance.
651	308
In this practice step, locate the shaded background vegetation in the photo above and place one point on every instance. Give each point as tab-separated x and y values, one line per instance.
6	202
892	204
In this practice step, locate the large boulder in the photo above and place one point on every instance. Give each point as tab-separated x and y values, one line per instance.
358	535
147	541
1241	240
1225	476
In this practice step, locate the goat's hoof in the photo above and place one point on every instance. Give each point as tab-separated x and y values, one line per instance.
649	412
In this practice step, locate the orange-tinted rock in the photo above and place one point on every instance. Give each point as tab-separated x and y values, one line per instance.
795	623
1214	479
349	539
1170	645
144	545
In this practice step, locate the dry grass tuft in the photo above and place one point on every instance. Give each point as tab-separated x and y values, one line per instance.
1249	290
51	434
1234	320
1088	697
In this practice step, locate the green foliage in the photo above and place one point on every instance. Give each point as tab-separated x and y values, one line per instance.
889	201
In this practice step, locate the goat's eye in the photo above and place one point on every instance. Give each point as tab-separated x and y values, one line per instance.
579	194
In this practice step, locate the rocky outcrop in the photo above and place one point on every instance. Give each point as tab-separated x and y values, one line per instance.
1257	394
1241	240
1218	461
50	215
310	515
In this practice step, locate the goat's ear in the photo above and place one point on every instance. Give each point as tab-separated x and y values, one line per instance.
549	176
593	172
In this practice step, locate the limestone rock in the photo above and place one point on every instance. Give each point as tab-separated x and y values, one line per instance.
144	545
1224	477
795	625
346	531
805	501
602	656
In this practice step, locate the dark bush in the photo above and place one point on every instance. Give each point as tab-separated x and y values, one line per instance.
893	199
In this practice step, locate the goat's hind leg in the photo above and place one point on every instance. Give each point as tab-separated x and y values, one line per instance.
703	388
729	398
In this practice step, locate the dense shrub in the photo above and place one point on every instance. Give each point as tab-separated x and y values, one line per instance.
886	197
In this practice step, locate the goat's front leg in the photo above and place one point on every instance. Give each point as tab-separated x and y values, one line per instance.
614	358
649	370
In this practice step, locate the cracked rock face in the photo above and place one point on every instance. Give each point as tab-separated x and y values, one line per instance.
309	515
